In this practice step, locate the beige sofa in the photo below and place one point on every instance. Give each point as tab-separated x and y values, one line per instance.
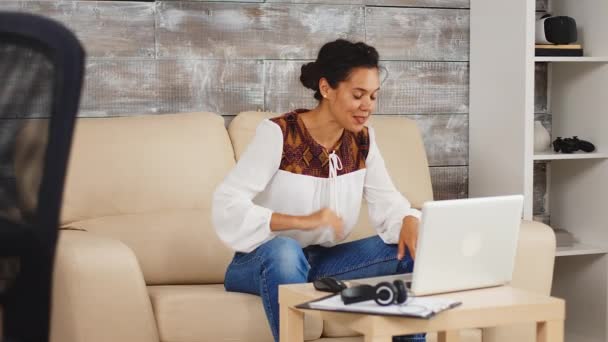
138	259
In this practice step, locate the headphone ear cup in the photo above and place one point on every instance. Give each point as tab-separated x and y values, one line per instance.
401	291
386	293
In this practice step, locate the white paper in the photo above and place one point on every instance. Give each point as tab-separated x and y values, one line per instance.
417	307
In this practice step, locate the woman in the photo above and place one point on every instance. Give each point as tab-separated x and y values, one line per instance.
296	191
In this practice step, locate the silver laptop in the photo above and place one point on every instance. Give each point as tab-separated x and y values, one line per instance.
463	244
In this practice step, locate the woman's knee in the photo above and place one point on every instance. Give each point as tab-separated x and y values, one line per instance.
284	257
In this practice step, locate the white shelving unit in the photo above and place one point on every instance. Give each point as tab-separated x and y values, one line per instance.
550	155
572	59
579	249
501	156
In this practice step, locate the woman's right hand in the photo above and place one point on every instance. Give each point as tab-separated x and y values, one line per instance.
326	217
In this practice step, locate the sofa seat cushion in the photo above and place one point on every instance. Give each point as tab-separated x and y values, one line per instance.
194	313
334	330
163	239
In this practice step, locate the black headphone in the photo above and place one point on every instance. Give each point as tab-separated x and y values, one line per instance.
384	293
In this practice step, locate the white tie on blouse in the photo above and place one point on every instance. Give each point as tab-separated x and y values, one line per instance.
335	164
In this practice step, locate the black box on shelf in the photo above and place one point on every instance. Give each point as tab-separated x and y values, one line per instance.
569	50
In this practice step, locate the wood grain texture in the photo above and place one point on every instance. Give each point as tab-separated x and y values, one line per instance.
213	0
450	182
322	2
446	138
121	87
424	87
420	3
410	88
252	31
392	3
540	88
540	195
106	28
283	90
418	33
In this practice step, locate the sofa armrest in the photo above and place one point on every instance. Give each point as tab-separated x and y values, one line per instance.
99	293
533	272
535	258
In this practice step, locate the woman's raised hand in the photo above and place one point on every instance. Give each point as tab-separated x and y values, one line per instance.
327	217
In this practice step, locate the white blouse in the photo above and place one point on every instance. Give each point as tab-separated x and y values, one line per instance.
256	187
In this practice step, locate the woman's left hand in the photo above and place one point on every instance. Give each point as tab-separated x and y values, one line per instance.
408	237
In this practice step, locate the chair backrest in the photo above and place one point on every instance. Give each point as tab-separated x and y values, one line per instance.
41	66
399	141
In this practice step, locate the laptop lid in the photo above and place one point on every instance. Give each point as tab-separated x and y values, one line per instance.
466	244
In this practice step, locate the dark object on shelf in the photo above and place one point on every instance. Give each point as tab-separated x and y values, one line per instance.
570	145
329	284
573	50
556	30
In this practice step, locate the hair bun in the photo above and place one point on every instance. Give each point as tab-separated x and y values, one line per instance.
310	75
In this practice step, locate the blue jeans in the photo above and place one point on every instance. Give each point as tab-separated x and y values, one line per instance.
282	261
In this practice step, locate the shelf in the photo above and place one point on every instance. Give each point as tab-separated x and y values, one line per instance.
571	59
579	249
550	155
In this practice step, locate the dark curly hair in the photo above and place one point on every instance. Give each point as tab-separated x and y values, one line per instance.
335	62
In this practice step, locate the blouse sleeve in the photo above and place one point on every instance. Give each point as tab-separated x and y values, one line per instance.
240	223
387	206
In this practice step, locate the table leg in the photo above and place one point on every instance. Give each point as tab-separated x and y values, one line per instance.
291	324
448	336
550	331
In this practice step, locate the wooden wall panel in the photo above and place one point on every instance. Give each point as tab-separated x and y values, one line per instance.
539	205
227	57
410	88
252	31
420	3
450	182
446	138
392	3
106	28
283	90
213	0
418	33
424	87
540	88
122	87
323	2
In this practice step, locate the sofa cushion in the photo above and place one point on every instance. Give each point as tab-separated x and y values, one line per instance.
194	313
128	165
172	246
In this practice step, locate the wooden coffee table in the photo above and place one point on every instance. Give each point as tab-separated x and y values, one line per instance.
481	308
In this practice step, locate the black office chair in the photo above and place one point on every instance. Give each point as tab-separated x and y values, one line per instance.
41	71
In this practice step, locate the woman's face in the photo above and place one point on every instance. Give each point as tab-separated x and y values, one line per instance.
354	100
